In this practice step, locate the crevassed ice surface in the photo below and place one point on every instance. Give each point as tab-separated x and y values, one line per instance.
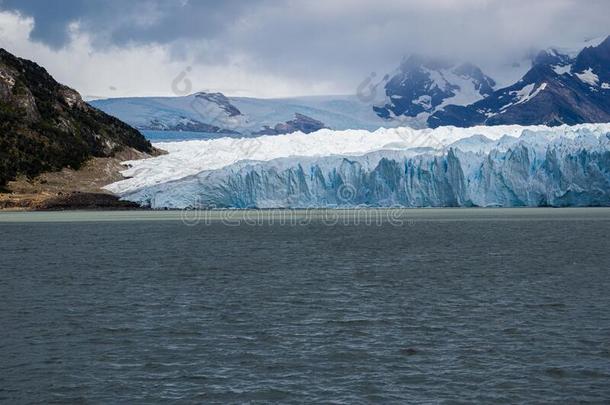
447	166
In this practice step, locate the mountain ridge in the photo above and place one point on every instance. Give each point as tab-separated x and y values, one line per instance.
562	85
558	89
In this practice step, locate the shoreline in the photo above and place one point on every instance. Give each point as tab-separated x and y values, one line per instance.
69	201
70	189
91	203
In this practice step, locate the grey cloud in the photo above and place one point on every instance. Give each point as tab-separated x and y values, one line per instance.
118	22
336	40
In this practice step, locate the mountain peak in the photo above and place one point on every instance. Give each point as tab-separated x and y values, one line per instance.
423	85
221	101
605	43
550	56
415	61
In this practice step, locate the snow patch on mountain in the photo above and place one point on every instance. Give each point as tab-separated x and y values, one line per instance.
588	76
562	69
467	92
527	93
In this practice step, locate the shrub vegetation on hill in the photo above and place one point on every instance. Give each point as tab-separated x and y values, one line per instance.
46	126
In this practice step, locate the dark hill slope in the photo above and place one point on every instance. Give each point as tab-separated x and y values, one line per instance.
46	126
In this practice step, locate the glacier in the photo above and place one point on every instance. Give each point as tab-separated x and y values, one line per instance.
499	166
244	115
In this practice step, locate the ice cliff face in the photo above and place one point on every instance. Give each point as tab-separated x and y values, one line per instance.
505	166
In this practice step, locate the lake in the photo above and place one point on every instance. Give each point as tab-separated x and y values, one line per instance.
175	136
344	306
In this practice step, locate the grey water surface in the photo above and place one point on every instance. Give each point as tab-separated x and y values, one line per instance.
403	306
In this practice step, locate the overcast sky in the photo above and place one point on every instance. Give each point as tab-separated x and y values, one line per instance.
267	48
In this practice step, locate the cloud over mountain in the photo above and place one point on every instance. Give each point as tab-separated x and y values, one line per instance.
305	47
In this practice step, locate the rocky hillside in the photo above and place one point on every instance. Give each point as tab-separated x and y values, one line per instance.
46	126
300	122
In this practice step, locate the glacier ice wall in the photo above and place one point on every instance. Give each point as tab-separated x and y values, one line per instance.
482	166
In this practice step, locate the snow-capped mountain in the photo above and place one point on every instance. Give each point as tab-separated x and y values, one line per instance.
199	112
478	166
421	86
563	85
242	116
558	89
